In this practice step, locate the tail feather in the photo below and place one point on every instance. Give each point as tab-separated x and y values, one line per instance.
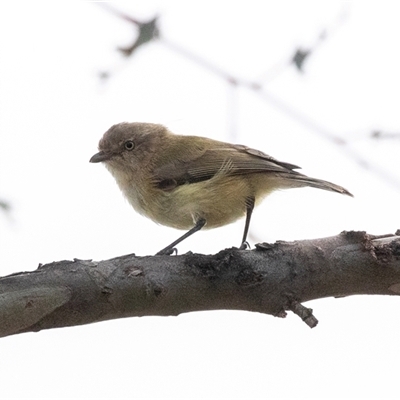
303	180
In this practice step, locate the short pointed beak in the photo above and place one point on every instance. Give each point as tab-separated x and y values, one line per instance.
99	157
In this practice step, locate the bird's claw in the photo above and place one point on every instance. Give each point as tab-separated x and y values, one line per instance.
244	246
167	251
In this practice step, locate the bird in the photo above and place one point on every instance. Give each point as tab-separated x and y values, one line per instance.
193	182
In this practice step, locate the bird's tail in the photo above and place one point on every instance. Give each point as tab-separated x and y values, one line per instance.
300	180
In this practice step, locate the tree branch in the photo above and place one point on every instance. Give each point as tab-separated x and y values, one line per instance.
270	279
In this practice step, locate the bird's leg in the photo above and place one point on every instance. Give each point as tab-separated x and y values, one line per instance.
170	249
249	211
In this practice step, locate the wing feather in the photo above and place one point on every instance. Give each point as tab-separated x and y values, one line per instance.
200	164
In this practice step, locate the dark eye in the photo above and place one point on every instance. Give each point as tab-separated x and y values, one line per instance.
129	145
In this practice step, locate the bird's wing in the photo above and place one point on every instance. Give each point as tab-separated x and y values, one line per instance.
197	166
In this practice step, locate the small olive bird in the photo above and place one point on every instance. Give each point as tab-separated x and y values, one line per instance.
191	182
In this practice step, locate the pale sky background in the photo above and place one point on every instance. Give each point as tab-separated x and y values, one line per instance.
53	111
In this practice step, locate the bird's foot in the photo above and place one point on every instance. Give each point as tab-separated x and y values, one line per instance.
244	246
167	251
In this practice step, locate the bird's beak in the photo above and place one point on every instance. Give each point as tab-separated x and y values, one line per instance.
100	156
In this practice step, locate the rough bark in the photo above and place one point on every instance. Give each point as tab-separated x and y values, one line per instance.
270	279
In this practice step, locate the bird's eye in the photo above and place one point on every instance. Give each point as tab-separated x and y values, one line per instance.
129	145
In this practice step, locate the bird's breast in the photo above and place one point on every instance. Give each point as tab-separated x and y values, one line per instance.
220	200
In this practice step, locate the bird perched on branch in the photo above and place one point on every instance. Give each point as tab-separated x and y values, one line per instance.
191	182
